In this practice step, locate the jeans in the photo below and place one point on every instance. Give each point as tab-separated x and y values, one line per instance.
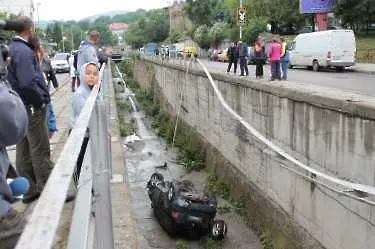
33	153
243	66
275	70
284	69
51	119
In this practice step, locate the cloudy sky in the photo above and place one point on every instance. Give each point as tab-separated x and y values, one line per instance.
78	9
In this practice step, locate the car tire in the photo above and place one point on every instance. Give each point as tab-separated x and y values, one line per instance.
155	178
171	193
315	66
219	230
291	66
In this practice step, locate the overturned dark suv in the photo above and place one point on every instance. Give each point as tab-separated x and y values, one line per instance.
181	209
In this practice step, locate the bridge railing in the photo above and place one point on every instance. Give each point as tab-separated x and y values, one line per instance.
93	197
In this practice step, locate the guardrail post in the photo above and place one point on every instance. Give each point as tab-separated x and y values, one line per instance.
101	180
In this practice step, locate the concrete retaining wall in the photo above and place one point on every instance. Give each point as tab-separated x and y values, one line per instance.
324	128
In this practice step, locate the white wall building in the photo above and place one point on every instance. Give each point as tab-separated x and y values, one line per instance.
23	7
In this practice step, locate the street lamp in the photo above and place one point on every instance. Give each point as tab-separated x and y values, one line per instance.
37	12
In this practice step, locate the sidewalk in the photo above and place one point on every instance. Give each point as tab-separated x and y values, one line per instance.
61	100
364	68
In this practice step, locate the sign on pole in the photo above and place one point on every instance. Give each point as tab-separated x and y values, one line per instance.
241	16
317	6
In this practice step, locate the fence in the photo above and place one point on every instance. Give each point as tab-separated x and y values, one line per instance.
366	55
93	189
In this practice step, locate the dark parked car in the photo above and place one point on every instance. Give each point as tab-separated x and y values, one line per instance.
181	209
116	56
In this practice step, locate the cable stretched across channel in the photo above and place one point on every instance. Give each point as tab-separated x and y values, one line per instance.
346	184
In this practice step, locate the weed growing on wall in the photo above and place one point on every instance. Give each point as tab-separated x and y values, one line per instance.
192	157
208	243
180	244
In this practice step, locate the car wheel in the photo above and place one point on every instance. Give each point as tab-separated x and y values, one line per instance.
315	66
219	230
156	178
291	66
171	192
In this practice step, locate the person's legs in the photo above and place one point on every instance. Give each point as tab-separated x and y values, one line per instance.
245	67
11	228
78	81
278	70
235	65
273	70
51	120
229	66
73	83
284	69
257	68
24	164
242	65
81	156
40	147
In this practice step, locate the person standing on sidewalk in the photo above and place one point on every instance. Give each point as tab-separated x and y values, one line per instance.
87	51
284	59
274	55
233	57
33	153
259	57
242	54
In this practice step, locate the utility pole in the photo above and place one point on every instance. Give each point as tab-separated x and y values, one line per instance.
71	33
240	25
62	35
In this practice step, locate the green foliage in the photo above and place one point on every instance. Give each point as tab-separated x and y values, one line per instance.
266	240
218	32
7	35
254	28
154	27
180	244
201	36
356	13
218	187
130	17
174	36
208	243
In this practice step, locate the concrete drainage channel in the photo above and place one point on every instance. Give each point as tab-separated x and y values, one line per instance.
144	152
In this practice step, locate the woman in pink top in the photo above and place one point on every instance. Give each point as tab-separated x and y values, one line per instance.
274	55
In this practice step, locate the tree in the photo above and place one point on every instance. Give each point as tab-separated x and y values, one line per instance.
202	37
7	35
218	32
201	12
356	13
254	28
154	27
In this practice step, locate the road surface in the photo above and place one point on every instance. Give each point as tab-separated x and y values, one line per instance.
348	80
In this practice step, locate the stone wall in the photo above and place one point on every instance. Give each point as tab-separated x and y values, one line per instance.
327	129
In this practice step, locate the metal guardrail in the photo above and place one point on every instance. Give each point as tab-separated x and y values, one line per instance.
311	174
95	175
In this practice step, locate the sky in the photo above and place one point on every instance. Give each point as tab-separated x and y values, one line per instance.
78	9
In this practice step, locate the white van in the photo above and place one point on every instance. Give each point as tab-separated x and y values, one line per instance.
332	48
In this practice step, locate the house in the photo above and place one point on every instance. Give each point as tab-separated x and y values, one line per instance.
118	29
18	7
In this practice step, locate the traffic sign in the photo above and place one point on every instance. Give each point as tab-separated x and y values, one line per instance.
241	16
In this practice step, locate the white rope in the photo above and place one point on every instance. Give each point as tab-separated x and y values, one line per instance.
349	185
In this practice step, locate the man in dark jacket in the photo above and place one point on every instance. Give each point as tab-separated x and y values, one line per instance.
243	54
233	57
26	78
